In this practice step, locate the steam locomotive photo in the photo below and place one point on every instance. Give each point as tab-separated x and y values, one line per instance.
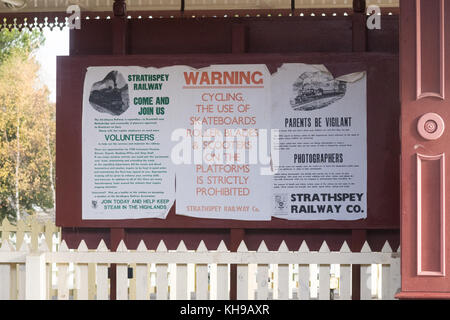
316	90
110	95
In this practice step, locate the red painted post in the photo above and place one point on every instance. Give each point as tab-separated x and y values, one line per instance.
120	27
359	44
119	47
238	45
359	30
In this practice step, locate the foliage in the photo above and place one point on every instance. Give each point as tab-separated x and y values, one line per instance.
16	42
27	126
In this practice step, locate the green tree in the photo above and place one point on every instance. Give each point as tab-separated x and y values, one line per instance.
27	126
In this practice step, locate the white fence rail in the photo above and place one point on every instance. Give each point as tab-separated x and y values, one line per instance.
200	274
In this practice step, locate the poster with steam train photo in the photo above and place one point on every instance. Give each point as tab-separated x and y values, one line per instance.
316	90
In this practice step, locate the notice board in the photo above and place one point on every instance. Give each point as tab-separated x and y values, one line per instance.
72	74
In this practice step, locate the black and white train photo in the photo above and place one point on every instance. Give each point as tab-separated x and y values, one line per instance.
110	95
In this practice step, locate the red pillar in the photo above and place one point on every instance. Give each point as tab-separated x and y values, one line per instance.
425	98
119	47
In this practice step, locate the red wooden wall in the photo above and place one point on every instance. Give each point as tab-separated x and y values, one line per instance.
201	41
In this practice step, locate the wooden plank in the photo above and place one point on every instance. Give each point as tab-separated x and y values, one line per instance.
102	275
132	282
35	277
142	282
283	275
21	281
283	282
242	276
162	283
202	282
386	276
366	276
345	281
83	290
91	281
324	276
20	234
35	229
181	276
242	282
13	282
366	282
63	275
141	277
395	277
385	285
303	275
83	275
122	275
262	276
5	281
102	282
122	282
223	292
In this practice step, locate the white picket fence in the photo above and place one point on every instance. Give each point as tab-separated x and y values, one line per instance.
164	274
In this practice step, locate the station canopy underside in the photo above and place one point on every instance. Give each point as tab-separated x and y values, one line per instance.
37	6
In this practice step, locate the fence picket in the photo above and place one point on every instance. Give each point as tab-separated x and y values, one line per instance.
222	276
83	273
5	271
63	288
122	275
252	269
141	278
102	275
283	275
13	281
202	276
50	229
21	274
6	228
242	276
366	276
43	247
345	276
36	228
20	233
181	276
91	281
162	282
303	275
395	277
262	276
385	274
324	276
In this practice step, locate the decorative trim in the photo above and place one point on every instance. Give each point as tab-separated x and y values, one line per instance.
431	126
420	94
441	159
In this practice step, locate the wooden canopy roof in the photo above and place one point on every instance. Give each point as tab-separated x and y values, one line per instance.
36	6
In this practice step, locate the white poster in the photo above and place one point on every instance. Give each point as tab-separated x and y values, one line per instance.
223	170
322	168
205	134
126	127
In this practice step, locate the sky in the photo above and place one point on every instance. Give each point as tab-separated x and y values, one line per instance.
56	44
